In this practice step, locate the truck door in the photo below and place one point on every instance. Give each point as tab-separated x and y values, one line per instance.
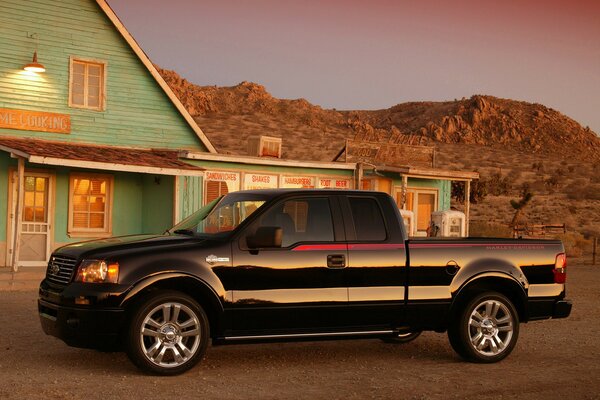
299	286
376	272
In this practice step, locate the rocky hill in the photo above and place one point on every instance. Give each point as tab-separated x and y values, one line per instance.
517	145
230	115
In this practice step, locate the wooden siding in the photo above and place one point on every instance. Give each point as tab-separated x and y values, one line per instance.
138	112
190	195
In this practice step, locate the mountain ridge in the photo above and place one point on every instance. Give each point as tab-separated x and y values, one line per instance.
248	109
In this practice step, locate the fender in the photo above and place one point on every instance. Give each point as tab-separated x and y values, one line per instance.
488	267
160	277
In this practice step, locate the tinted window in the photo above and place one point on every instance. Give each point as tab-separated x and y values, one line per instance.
368	221
301	220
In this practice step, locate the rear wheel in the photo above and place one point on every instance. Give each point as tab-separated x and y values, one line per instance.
486	328
402	337
168	333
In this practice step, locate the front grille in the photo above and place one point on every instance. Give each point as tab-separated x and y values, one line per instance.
60	269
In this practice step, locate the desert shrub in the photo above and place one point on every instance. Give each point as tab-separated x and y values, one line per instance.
577	191
487	229
498	185
575	244
591	192
478	193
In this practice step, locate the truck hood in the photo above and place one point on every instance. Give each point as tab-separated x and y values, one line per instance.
130	244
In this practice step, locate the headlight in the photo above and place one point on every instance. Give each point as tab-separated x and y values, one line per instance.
97	271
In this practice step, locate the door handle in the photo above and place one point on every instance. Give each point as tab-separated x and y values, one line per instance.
336	261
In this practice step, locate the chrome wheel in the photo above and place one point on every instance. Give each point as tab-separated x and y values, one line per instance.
491	326
170	334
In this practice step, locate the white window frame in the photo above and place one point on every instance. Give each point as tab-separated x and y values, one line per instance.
92	232
103	79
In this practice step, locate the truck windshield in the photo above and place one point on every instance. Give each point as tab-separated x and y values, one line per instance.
223	214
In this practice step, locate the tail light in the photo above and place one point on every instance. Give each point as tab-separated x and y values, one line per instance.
560	268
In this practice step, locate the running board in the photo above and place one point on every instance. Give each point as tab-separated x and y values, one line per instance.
309	335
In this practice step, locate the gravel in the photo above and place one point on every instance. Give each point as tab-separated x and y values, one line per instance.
553	359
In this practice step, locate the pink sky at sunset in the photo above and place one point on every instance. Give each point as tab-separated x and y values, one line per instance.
374	54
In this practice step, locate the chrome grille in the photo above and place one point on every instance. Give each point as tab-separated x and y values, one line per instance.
60	269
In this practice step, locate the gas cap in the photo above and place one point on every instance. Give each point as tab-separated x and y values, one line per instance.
452	267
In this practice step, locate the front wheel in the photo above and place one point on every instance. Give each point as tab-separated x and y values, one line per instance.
168	333
486	329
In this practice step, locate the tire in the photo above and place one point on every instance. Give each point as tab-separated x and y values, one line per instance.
168	333
486	329
402	337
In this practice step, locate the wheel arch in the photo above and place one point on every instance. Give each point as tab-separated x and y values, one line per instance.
493	282
190	285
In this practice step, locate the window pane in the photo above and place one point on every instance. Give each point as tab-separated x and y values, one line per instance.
29	199
40	214
80	203
27	214
77	89
77	99
93	101
78	68
82	186
29	183
94	91
80	220
306	220
94	81
40	199
97	186
78	82
97	220
97	203
368	221
94	70
40	184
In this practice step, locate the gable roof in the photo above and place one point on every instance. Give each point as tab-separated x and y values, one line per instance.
159	79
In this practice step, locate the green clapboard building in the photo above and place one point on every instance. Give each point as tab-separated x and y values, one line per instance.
94	144
89	139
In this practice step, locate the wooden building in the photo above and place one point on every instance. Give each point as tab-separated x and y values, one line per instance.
94	144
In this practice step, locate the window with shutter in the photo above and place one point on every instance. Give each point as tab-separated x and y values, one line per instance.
90	205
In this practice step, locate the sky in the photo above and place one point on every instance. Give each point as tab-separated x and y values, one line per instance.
357	54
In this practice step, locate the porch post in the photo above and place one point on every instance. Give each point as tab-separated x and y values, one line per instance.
404	188
19	214
467	205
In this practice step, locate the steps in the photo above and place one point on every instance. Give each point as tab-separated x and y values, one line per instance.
26	278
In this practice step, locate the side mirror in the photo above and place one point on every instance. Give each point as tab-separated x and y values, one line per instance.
265	237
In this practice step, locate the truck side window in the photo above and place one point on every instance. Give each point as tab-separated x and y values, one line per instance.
368	221
301	220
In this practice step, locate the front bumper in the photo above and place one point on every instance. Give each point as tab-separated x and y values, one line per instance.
82	327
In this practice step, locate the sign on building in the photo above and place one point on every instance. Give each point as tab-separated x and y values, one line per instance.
219	183
294	182
333	183
35	121
395	155
260	181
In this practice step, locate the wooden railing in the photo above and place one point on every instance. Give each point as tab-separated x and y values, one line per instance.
539	230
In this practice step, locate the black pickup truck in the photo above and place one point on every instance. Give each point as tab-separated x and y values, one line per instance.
296	264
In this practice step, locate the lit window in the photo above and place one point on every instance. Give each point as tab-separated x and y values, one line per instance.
87	84
90	204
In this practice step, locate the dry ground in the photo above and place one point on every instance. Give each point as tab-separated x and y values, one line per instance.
553	359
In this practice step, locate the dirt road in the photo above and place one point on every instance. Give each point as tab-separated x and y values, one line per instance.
553	359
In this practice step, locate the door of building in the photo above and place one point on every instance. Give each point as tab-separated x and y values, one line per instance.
36	218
